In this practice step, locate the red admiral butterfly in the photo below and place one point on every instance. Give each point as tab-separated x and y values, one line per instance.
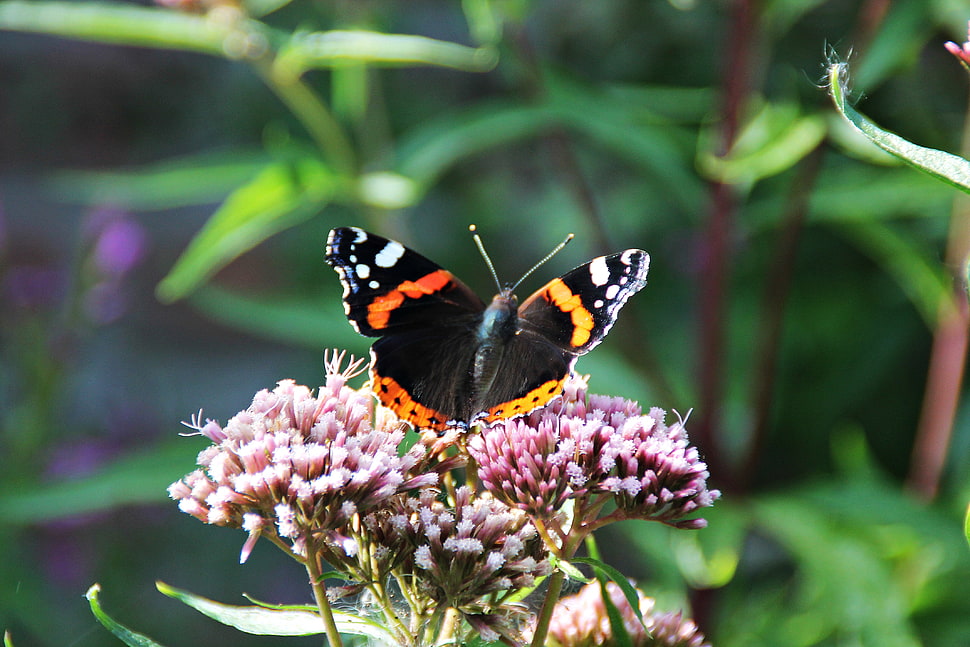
443	358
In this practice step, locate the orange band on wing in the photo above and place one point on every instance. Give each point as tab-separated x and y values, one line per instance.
380	309
393	396
534	399
559	294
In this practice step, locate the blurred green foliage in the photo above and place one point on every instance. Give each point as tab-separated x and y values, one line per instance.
798	274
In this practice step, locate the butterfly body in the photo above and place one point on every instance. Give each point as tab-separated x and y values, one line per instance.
443	358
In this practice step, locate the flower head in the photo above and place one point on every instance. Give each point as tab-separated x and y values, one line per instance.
658	475
298	465
581	620
589	446
464	554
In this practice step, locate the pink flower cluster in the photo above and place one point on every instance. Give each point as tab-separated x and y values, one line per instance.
297	465
581	620
589	445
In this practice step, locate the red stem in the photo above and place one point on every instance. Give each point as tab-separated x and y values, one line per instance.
715	260
948	357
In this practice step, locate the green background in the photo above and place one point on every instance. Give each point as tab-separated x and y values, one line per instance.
794	286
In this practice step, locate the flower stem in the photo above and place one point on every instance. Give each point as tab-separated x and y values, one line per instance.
574	539
548	605
323	604
448	626
313	113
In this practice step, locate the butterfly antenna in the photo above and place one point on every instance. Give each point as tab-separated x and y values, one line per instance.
481	249
556	250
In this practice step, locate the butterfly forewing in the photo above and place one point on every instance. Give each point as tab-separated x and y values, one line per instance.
390	288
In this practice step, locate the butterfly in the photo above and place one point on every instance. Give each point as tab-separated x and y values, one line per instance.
446	359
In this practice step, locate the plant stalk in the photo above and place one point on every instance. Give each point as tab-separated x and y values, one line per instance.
323	604
947	357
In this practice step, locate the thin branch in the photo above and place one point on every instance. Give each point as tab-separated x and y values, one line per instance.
716	241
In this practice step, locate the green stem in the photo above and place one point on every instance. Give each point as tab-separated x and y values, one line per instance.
323	604
390	617
313	113
548	605
574	539
448	626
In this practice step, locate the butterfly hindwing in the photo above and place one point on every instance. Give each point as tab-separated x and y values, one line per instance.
576	310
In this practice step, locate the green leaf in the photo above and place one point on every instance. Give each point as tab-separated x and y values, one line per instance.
137	478
260	8
840	572
942	165
710	559
430	150
571	571
621	637
896	46
310	322
282	195
606	572
197	179
124	24
306	51
776	139
126	635
966	525
484	21
916	270
282	621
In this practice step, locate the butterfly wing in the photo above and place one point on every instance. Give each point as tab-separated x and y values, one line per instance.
575	311
425	318
389	288
566	318
424	375
533	371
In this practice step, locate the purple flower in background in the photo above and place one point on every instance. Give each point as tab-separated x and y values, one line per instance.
34	287
962	52
120	247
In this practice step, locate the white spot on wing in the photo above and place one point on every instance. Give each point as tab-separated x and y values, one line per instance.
611	291
373	285
388	256
363	271
599	273
361	235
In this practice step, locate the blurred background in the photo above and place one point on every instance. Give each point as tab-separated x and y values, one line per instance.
168	176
